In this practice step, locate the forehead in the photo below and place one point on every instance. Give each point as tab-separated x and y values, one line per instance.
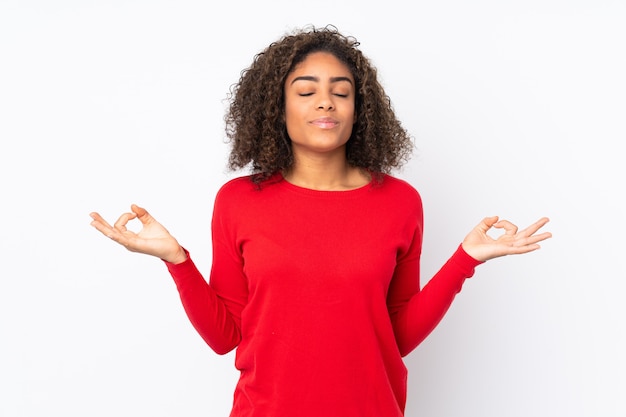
321	64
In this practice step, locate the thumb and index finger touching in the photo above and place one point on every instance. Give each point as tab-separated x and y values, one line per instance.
141	214
120	224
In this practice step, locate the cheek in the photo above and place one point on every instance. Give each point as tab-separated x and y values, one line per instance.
287	111
288	117
293	114
291	124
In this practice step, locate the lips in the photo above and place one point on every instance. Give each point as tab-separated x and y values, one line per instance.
325	122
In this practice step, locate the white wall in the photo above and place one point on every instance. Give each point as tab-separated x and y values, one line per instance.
517	109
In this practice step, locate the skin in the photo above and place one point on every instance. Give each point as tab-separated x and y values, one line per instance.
154	239
320	113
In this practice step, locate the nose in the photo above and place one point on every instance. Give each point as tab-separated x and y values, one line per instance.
325	102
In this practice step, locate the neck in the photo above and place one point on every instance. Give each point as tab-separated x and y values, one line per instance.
326	174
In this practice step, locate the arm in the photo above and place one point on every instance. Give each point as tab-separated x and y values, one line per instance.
215	308
414	312
208	312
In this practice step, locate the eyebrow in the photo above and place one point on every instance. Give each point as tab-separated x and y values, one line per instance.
317	79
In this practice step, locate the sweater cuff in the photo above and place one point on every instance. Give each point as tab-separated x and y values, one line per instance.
465	262
185	268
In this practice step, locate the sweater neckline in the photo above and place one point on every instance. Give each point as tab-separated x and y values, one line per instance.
323	193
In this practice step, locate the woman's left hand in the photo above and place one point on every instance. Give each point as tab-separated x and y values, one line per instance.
482	247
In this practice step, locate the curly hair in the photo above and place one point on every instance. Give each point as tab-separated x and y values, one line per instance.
255	125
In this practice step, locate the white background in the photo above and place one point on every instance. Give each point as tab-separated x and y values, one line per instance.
517	108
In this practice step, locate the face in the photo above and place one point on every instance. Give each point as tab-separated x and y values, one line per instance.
319	106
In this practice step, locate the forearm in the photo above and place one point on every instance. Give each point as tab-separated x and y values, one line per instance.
205	309
427	307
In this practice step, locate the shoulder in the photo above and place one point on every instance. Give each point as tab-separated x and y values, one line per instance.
398	187
236	185
243	188
236	189
394	195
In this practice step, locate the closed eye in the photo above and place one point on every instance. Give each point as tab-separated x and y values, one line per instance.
335	94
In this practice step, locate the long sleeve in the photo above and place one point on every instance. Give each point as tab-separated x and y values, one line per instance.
207	312
214	308
423	309
309	285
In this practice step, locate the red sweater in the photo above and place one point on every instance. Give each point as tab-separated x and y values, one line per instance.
319	291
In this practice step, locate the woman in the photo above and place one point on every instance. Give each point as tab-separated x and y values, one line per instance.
315	273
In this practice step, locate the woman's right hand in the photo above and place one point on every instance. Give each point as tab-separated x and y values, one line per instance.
153	239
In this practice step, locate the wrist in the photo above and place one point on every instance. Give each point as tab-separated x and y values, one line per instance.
179	257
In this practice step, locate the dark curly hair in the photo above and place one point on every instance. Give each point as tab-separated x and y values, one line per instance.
255	125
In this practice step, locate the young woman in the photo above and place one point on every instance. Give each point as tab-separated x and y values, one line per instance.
315	269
